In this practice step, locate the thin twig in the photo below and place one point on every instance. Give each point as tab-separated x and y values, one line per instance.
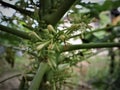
17	75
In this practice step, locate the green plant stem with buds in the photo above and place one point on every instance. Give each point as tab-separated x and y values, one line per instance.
19	33
89	46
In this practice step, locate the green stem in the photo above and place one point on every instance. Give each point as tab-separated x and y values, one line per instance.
39	76
97	30
89	46
57	15
45	6
16	32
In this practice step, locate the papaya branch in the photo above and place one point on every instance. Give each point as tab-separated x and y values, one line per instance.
16	32
110	28
54	17
89	46
39	76
23	11
45	6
